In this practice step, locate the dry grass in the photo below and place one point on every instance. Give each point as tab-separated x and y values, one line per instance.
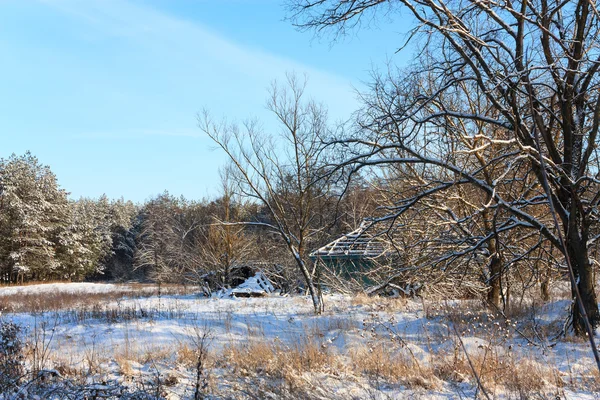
186	354
459	312
295	363
59	301
591	380
498	371
31	283
529	378
155	354
67	370
143	354
587	379
125	368
379	303
396	366
279	361
337	324
66	364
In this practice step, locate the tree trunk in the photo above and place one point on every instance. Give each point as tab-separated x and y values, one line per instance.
316	299
494	284
545	286
494	295
317	304
583	270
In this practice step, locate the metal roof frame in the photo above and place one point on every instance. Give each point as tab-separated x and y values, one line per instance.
361	243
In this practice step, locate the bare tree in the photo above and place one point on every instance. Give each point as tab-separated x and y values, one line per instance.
164	246
224	244
536	64
280	170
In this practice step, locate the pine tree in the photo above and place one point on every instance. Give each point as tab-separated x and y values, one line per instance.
34	215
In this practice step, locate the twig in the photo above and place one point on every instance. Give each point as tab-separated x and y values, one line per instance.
479	384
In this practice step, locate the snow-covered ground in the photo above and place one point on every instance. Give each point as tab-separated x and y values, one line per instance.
131	338
81	287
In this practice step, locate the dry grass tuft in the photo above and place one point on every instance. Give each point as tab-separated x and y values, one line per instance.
155	354
187	355
277	360
583	379
125	368
396	366
524	377
66	369
379	303
591	381
529	378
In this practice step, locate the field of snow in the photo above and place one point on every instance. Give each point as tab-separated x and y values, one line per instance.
275	346
81	288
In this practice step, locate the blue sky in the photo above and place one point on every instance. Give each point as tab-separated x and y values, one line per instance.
106	92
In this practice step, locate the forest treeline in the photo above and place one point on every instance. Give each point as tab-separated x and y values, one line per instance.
46	236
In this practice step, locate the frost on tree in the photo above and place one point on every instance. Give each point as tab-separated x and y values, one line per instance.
33	219
43	235
510	85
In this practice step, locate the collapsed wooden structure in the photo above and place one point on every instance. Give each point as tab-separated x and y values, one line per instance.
356	255
362	243
255	286
355	252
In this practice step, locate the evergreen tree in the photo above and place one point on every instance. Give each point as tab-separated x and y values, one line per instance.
34	214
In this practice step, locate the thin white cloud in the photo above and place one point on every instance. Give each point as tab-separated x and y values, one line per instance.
182	42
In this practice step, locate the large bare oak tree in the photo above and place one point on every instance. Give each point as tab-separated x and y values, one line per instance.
535	63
